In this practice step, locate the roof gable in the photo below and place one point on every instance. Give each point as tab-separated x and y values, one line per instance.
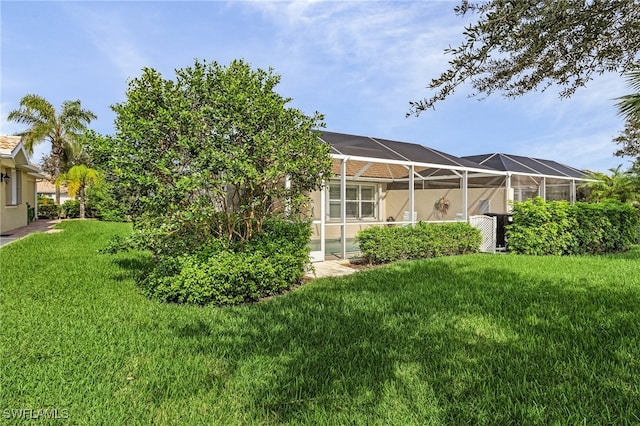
12	149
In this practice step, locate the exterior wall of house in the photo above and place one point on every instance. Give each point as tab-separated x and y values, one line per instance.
479	200
15	215
394	203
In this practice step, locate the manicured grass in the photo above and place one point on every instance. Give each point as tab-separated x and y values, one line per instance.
476	339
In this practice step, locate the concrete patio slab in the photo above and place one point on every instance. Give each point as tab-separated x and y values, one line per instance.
330	268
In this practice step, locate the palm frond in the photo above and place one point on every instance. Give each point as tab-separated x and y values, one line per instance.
629	105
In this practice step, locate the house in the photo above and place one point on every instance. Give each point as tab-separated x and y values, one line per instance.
382	182
47	189
18	179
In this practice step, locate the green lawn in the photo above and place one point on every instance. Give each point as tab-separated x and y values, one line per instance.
481	339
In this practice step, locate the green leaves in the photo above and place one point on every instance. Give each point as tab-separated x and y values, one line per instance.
206	155
45	123
517	47
425	240
560	228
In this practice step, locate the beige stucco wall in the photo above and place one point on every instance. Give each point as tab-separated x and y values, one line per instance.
394	203
397	202
15	216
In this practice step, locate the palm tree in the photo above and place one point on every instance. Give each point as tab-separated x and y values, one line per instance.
77	180
46	124
629	105
618	185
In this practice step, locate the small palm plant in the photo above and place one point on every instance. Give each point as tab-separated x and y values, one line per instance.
77	180
618	185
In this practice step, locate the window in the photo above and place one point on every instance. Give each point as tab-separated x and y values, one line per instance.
360	201
13	188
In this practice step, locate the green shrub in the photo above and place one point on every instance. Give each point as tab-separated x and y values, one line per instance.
270	263
47	208
105	203
71	208
387	244
607	227
541	227
560	228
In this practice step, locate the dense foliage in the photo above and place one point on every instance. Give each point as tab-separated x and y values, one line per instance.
273	261
519	46
560	228
424	240
108	197
105	204
214	170
70	209
623	186
212	154
47	208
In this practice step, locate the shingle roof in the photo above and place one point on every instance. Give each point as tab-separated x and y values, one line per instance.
46	186
8	143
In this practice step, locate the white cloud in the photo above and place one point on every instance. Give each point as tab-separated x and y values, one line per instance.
111	34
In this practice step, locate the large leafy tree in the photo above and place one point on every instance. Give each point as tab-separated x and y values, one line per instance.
519	46
212	153
46	124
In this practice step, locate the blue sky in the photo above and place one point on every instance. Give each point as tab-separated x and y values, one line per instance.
357	62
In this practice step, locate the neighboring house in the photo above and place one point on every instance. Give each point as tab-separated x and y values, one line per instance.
47	189
18	179
381	182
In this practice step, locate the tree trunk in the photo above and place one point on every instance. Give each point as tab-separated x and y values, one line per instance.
57	156
81	203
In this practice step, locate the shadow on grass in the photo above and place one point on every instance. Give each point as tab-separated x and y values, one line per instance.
431	341
131	264
464	340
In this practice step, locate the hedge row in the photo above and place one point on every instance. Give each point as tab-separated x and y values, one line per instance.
48	209
424	240
560	228
269	264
